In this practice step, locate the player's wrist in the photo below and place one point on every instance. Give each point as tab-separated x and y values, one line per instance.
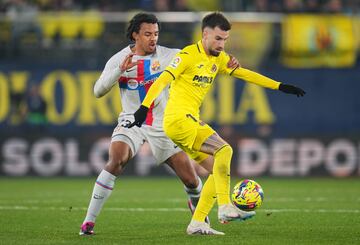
144	107
120	70
139	116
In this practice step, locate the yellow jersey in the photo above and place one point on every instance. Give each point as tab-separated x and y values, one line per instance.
193	72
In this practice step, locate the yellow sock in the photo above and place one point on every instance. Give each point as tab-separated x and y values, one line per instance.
221	172
206	201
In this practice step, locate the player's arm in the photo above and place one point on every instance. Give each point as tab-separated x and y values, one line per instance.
161	82
172	71
258	79
110	75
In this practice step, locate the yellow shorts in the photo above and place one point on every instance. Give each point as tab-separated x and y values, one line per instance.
189	133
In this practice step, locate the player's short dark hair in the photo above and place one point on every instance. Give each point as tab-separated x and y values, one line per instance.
216	19
137	20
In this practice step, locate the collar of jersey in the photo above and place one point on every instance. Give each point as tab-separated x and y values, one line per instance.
201	47
202	51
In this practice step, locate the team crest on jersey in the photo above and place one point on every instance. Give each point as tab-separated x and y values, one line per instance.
213	68
133	84
155	66
175	62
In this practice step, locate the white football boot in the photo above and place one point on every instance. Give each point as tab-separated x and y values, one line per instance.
229	212
201	228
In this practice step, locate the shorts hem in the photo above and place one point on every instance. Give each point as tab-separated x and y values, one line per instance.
126	139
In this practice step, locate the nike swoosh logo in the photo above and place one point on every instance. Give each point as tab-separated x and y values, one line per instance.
130	70
98	197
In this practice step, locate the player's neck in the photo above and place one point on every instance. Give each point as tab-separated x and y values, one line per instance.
206	50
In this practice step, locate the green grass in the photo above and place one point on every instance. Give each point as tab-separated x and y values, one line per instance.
295	211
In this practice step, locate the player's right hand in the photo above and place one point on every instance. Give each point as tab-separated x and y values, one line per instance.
127	63
233	62
140	116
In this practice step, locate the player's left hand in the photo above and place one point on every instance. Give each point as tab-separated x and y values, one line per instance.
290	89
233	62
140	116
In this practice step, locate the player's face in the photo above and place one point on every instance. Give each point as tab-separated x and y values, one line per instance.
146	39
214	40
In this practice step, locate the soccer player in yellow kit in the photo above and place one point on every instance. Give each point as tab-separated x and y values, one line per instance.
191	73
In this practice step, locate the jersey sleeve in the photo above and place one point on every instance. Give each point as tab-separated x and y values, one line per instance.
224	60
256	78
161	82
178	64
108	77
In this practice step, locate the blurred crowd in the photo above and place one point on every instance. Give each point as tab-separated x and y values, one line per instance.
29	27
282	6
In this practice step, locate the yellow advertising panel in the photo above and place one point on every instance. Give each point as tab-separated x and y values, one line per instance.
356	21
310	41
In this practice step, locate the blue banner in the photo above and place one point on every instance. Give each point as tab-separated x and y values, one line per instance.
330	106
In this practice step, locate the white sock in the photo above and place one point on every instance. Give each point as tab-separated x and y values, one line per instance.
102	190
194	194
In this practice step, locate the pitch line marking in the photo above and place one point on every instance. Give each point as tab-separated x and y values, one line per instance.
115	209
179	200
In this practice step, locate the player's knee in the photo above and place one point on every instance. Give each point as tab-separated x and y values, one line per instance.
191	182
116	164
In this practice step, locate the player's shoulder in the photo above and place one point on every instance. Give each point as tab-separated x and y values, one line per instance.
223	56
190	49
187	53
166	50
121	54
163	51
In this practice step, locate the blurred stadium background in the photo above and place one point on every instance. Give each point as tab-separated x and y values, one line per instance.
51	53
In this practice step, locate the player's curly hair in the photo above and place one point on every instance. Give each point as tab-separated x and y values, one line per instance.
216	19
137	20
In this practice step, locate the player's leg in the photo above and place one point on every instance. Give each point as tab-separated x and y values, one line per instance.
196	138
119	154
207	198
184	135
166	151
124	145
222	153
184	169
220	183
206	202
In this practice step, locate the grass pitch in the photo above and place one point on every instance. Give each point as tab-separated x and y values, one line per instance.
154	211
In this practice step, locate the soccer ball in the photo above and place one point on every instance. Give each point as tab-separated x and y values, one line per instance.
247	195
